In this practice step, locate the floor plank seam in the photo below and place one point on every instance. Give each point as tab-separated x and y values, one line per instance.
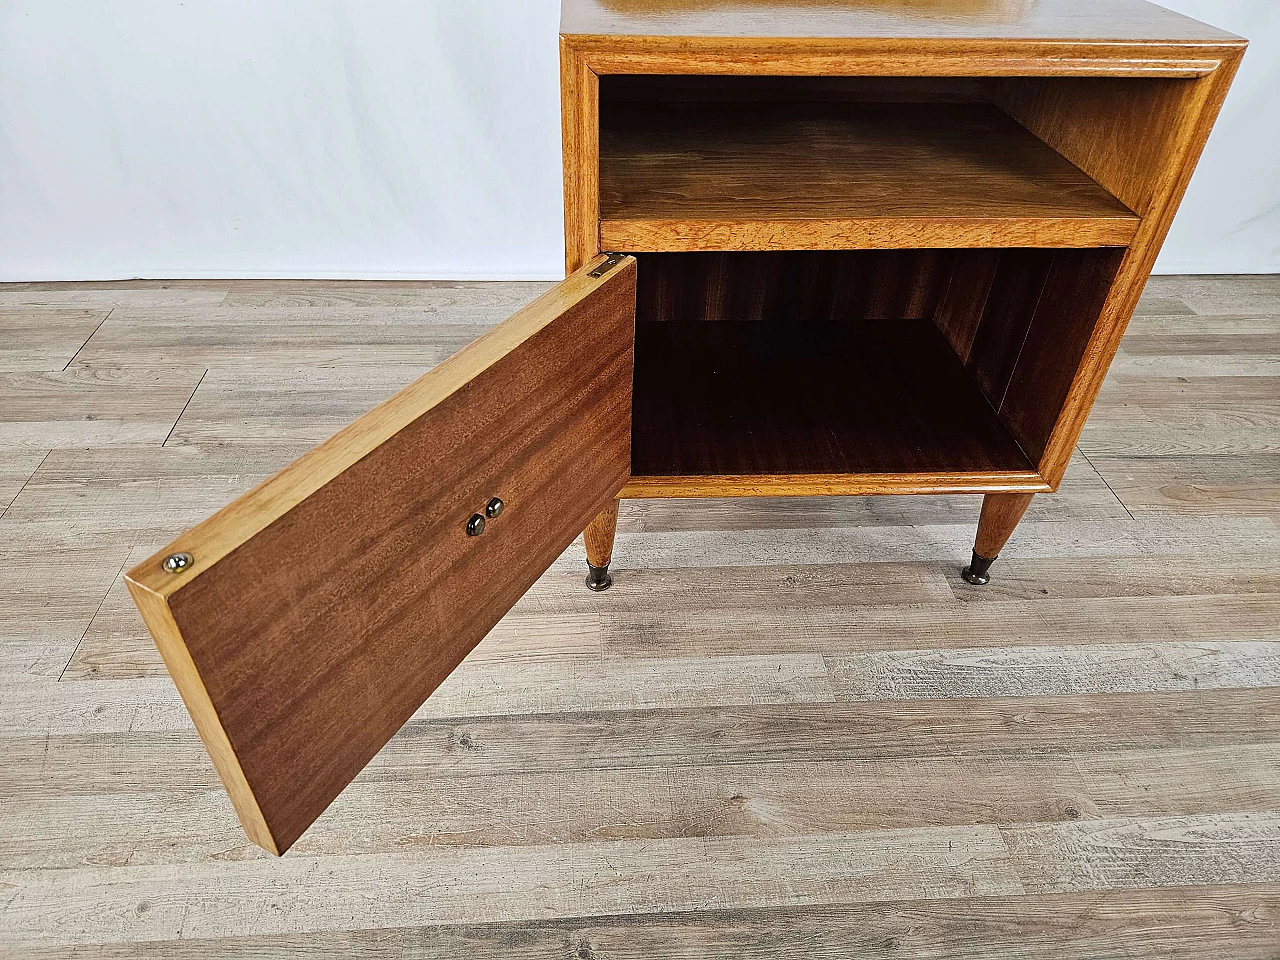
89	626
1107	483
88	338
25	482
165	442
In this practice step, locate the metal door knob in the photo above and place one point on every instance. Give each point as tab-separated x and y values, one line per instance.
177	562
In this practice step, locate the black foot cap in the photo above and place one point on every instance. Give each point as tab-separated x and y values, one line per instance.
976	571
598	578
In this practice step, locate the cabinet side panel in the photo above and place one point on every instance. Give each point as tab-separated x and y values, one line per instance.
1141	139
1126	134
1065	316
1015	296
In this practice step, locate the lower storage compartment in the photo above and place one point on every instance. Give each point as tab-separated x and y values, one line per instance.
877	364
844	396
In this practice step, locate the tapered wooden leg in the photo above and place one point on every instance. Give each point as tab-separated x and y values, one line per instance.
599	539
1000	514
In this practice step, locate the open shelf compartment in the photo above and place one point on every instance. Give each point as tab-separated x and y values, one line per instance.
855	371
777	163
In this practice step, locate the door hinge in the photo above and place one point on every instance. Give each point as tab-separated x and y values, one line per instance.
613	260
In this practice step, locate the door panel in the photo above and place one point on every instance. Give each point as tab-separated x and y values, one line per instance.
319	611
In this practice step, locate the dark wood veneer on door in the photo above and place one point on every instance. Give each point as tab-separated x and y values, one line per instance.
317	637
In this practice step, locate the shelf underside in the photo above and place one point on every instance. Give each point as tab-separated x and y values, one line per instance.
852	406
683	176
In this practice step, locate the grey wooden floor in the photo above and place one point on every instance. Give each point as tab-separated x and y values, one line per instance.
790	730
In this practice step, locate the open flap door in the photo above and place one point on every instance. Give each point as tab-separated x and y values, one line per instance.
308	620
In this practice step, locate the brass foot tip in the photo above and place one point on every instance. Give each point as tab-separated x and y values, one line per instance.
976	572
598	578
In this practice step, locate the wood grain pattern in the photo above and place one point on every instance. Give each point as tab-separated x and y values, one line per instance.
380	818
580	137
598	537
1083	765
1084	496
79	407
744	232
325	605
963	302
1191	923
1041	374
1139	138
1000	514
883	19
1248	485
822	176
907	58
791	287
981	38
1016	293
38	338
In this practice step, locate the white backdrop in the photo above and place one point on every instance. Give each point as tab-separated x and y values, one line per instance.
390	138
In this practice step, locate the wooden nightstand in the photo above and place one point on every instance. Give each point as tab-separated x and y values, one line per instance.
858	247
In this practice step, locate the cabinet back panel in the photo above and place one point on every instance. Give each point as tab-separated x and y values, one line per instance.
1075	290
783	286
1020	320
623	88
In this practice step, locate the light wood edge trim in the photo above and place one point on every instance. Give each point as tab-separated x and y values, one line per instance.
168	639
212	539
1135	270
855	66
884	233
613	54
580	132
820	485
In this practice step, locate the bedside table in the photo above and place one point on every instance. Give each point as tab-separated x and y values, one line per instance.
858	247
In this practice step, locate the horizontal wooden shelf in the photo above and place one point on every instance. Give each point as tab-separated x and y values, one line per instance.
683	176
869	406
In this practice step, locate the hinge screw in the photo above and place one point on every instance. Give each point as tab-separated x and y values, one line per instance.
177	562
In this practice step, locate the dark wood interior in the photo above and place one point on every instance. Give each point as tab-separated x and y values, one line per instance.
847	397
876	361
1020	321
785	286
